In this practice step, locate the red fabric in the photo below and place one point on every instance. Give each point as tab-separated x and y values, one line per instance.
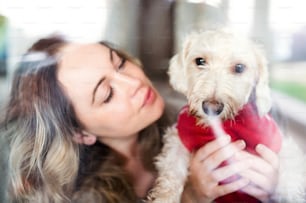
247	125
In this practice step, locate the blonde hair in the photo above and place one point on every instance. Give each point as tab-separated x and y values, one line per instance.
39	124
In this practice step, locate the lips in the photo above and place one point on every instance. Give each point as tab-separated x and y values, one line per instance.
149	97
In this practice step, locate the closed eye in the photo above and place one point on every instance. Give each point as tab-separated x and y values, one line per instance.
121	65
109	95
103	93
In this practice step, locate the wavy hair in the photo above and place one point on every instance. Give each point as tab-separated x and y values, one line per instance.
39	123
45	164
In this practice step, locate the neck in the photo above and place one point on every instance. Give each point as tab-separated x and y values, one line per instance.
129	148
126	146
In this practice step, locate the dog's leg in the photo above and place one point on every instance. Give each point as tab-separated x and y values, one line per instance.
172	165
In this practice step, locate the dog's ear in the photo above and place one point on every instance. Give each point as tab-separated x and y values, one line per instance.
263	96
178	69
177	74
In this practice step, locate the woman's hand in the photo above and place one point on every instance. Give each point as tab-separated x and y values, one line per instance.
263	174
206	173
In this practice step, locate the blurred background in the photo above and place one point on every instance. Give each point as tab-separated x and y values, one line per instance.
153	30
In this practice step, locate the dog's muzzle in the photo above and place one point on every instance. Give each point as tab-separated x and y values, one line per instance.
212	107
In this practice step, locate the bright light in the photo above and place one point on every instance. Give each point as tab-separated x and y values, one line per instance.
84	20
214	3
240	15
288	16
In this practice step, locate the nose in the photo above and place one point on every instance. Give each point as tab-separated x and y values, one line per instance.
212	107
127	83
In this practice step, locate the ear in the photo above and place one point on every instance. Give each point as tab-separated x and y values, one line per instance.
263	95
178	69
177	74
85	138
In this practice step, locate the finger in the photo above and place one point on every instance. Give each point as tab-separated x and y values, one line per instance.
268	155
259	163
231	187
258	179
223	154
256	192
232	169
211	147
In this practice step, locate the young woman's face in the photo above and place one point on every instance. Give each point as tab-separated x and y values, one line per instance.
111	97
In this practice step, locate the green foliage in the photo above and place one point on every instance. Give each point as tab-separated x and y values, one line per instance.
293	89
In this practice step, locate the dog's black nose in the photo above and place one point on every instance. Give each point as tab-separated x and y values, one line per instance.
212	107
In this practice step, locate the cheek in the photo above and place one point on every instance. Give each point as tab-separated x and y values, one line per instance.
113	121
106	124
120	115
135	121
120	125
120	118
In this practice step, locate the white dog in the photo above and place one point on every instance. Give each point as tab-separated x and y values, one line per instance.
224	76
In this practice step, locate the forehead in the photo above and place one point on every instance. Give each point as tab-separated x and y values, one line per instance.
75	55
82	61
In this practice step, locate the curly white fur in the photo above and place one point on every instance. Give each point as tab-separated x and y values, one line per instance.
218	80
292	174
173	175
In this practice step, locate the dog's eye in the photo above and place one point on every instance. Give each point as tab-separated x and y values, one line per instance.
239	68
200	61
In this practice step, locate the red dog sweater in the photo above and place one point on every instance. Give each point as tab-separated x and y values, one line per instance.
247	125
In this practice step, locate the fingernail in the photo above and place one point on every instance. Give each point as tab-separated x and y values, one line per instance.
225	139
259	147
241	144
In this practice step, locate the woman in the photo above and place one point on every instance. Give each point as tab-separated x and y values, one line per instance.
84	123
